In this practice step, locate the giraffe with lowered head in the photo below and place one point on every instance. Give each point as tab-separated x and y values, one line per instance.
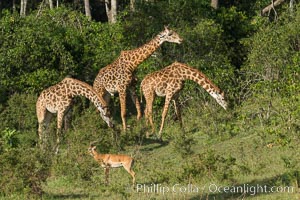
117	77
168	82
58	99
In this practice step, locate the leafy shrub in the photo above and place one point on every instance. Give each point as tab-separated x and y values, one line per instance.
20	114
8	139
41	49
211	165
23	171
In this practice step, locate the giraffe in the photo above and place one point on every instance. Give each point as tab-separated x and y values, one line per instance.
168	82
118	76
58	99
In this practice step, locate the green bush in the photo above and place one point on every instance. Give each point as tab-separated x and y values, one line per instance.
23	171
270	81
19	113
41	49
210	165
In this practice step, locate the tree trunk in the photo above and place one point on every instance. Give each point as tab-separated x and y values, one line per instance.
111	10
291	5
132	5
23	8
14	5
87	9
214	4
114	11
50	4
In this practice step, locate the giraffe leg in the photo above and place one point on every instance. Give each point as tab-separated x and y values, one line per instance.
106	98
47	121
136	101
104	94
177	110
148	111
67	120
60	116
44	118
40	113
164	114
122	95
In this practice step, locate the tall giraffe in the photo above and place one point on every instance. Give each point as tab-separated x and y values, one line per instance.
168	82
58	99
117	77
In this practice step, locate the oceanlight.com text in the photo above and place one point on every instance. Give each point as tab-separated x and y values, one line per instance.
250	189
212	188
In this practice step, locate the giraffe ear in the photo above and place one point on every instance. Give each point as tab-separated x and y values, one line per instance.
166	27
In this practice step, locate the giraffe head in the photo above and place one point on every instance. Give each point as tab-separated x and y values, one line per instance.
169	36
105	115
219	97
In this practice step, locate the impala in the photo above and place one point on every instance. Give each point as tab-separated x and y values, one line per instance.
108	161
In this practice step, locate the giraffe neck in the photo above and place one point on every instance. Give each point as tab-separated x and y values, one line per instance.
198	77
195	75
137	56
78	88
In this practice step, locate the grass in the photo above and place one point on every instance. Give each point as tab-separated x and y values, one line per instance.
219	156
163	172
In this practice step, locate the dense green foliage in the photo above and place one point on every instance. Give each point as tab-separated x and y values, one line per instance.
40	49
254	60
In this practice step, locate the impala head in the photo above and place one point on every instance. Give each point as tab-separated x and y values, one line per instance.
219	97
91	150
169	36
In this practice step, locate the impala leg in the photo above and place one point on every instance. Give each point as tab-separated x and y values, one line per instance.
106	169
130	171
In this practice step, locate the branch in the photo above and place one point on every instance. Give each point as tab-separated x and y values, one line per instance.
270	7
40	9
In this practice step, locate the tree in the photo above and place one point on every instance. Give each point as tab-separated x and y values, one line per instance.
14	5
214	4
50	4
271	7
23	7
111	10
87	9
132	5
